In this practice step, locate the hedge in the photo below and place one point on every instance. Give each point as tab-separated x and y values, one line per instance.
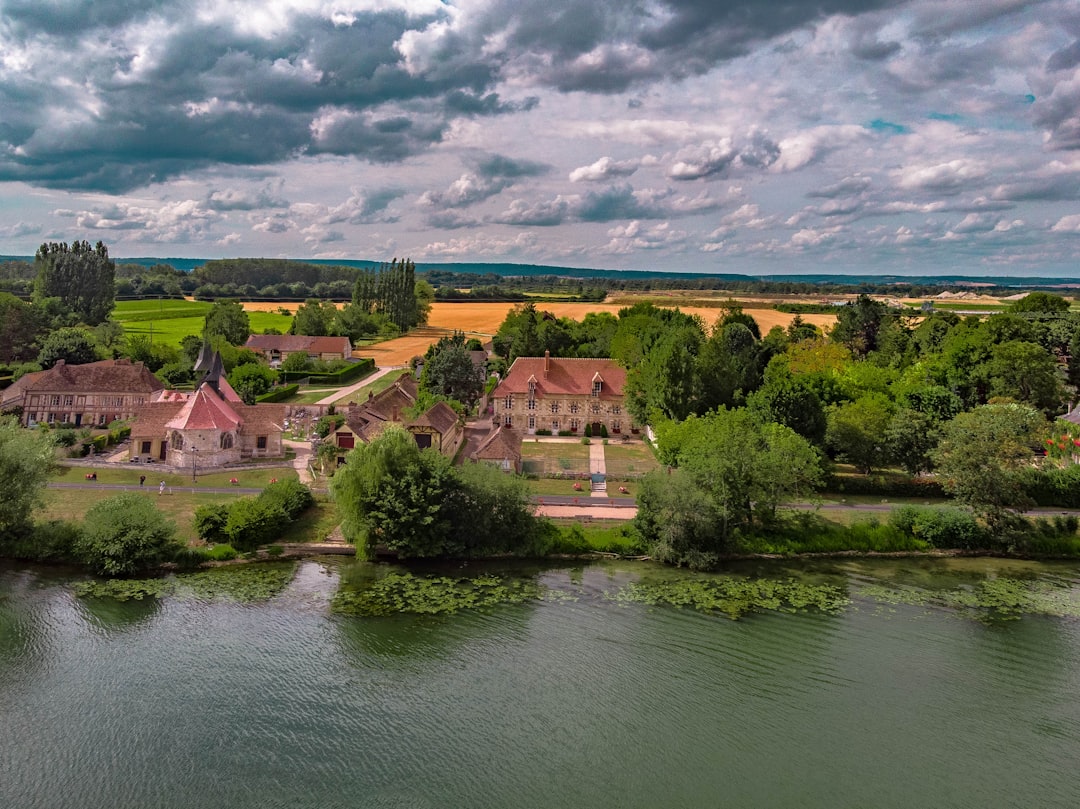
884	486
250	522
356	370
278	394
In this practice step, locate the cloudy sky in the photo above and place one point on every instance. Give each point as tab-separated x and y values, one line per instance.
758	136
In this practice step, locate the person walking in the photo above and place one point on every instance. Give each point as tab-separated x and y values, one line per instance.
161	488
142	479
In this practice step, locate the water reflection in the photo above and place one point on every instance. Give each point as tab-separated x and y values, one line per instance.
110	615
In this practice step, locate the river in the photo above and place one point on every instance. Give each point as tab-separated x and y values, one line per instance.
906	692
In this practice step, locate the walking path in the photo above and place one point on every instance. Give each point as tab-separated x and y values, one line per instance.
597	466
302	460
344	393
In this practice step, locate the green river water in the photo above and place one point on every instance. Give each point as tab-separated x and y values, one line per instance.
868	683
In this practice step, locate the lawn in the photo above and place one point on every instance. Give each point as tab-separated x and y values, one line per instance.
554	449
631	459
541	487
129	475
314	525
72	504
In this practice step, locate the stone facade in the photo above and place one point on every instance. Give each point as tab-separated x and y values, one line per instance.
556	394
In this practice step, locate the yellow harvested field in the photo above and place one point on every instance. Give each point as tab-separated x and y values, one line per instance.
483	320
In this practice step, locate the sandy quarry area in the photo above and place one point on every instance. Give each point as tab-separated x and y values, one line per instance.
483	320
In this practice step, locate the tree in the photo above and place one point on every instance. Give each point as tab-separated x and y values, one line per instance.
1027	373
449	371
126	534
298	362
73	345
20	325
667	381
733	470
229	320
314	318
981	453
856	431
393	495
81	276
910	439
251	381
26	460
789	400
858	323
154	356
414	502
1041	303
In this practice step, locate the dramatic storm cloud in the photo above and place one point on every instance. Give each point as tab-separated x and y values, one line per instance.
746	136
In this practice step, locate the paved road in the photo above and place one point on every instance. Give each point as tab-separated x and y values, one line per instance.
123	487
344	393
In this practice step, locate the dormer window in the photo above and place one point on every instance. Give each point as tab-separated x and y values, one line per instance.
532	389
596	387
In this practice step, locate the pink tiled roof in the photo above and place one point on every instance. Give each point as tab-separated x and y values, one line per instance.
205	411
563	377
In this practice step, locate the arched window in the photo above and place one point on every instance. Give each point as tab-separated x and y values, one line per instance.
226	440
176	440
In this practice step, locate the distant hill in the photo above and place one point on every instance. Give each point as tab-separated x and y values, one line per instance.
511	270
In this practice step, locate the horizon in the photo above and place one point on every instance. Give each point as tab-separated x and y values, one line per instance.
899	139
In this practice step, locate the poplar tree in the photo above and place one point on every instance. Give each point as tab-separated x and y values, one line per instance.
81	276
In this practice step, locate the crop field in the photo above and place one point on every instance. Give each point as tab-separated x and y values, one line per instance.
170	321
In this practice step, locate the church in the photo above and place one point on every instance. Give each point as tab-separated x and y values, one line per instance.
208	428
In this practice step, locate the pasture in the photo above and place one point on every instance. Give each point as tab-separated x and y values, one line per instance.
170	321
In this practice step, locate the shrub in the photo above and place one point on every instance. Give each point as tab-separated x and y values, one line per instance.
543	432
220	553
291	496
209	521
940	526
586	441
274	551
66	438
279	394
588	430
251	524
52	541
603	431
327	424
566	433
125	534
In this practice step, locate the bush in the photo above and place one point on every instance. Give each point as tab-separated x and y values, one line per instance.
291	496
126	534
884	486
209	521
278	394
586	441
588	430
940	526
566	433
52	541
251	524
66	438
543	432
327	424
603	431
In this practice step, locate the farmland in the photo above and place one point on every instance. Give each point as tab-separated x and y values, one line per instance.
169	321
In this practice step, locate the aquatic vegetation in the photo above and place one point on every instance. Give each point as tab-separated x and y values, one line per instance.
420	595
239	583
989	599
734	597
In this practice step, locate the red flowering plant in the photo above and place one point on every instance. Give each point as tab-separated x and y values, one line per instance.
1063	446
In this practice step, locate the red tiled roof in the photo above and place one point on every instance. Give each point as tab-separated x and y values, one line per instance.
106	376
500	444
563	377
440	417
298	342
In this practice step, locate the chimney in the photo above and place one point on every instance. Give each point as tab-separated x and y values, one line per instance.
547	361
394	416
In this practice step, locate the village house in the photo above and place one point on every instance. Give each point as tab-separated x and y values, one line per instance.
208	428
557	394
88	395
501	448
276	347
438	428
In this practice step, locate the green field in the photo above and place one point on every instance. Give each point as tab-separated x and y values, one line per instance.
129	475
170	321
